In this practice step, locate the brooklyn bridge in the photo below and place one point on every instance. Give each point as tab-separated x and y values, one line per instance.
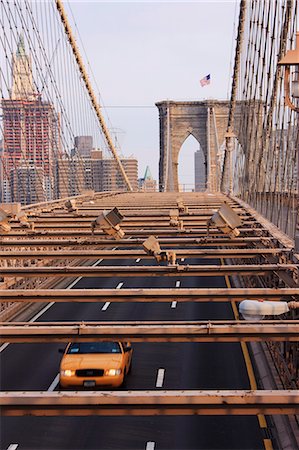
136	314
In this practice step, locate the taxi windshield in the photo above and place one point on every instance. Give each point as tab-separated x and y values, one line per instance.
94	347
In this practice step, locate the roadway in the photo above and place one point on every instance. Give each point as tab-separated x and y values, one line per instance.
179	365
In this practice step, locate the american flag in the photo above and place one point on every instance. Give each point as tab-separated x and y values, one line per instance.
205	80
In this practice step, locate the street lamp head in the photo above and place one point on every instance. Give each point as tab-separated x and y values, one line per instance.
256	310
291	59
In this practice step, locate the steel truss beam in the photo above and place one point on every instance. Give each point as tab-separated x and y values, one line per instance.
149	271
125	254
149	403
147	295
167	231
39	241
217	331
77	223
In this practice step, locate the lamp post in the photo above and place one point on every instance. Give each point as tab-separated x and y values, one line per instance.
291	88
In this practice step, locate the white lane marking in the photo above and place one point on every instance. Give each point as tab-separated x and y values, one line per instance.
105	306
150	445
75	282
3	346
56	379
138	259
108	303
48	306
177	285
114	248
182	259
12	446
80	278
160	377
54	383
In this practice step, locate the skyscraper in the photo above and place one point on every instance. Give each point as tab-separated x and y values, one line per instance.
200	171
83	146
107	177
30	137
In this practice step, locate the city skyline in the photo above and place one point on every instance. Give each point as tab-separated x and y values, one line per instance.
31	136
160	51
33	167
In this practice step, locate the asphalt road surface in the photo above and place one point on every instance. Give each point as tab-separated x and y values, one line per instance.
186	366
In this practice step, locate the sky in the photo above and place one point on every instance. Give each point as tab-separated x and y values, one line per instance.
141	53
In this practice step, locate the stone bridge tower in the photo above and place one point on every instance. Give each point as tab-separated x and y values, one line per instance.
206	121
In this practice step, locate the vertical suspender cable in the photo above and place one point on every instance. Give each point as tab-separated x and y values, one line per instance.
92	96
226	182
167	149
209	178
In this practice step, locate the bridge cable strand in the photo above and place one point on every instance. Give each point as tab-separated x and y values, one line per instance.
263	150
88	86
44	109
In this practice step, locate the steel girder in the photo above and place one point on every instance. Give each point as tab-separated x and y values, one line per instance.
171	331
149	403
125	254
147	271
148	295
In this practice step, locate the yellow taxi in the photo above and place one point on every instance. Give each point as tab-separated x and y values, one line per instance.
91	364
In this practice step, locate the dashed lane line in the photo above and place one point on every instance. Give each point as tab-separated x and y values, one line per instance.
12	446
105	306
174	303
150	445
160	377
138	260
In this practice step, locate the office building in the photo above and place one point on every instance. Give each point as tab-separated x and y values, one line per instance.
83	146
31	135
200	176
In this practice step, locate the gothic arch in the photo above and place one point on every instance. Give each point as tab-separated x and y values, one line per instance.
191	166
206	121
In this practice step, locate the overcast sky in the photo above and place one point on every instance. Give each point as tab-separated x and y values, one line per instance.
144	52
